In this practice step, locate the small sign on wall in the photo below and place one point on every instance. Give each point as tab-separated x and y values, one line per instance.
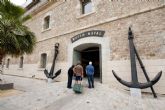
92	33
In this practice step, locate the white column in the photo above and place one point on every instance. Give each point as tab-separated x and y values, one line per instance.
135	92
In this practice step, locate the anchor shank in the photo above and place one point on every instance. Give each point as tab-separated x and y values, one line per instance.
132	59
54	59
144	71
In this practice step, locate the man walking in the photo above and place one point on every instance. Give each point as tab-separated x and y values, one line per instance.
90	73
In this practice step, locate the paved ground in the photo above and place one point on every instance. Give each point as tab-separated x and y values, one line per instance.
36	94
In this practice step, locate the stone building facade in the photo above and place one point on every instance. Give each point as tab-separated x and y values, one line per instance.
65	20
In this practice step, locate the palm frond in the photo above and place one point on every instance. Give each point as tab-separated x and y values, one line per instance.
15	38
10	9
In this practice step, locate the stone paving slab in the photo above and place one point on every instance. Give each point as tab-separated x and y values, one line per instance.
39	95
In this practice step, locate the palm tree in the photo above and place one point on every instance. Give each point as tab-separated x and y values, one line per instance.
15	38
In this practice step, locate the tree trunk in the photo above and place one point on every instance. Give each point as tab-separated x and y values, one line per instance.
1	64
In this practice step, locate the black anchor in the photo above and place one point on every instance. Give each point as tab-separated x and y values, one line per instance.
51	73
134	83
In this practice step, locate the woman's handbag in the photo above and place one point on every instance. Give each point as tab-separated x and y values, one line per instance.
77	88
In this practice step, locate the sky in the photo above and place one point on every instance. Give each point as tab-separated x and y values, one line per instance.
22	3
18	2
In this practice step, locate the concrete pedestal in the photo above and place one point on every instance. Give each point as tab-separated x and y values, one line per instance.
6	86
50	80
135	92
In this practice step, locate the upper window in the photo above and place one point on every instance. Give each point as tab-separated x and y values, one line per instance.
46	22
86	6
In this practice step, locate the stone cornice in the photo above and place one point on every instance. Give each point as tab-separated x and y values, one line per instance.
33	3
38	6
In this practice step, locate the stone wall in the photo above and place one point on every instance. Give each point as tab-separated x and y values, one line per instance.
32	71
148	28
65	17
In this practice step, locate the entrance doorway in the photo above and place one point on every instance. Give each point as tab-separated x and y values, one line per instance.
89	52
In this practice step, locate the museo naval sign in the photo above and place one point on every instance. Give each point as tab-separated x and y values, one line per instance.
92	33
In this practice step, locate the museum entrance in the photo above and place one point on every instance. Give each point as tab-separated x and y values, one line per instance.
89	52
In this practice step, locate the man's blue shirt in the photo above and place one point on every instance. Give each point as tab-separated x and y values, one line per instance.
89	70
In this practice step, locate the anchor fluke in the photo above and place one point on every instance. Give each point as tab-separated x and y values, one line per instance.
157	77
152	82
128	84
138	85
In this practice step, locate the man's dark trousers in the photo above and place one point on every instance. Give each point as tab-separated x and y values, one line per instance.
90	81
69	85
